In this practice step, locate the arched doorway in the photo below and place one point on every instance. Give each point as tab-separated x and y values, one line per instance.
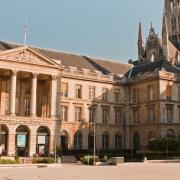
91	140
22	141
136	141
3	139
118	142
78	140
64	140
105	141
42	141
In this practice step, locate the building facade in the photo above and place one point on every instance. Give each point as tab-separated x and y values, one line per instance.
50	98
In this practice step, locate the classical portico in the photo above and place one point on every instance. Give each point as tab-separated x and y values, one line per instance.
28	97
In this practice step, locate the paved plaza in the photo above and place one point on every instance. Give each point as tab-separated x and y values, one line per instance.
131	171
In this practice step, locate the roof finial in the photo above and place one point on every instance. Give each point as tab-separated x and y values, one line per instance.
25	31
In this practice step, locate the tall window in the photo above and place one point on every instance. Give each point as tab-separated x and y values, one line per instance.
169	114
150	93
78	140
105	114
168	92
117	97
118	142
78	91
179	21
64	113
170	133
135	95
105	141
136	141
105	94
27	107
91	92
179	94
78	114
64	89
135	115
7	99
91	114
118	116
173	24
151	114
151	136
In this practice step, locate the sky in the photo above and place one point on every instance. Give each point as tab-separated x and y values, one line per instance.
97	28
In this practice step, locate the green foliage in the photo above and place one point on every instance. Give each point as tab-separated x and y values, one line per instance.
47	160
58	151
8	161
164	144
89	160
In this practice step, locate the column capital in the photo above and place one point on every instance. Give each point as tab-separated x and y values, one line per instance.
54	77
35	75
14	72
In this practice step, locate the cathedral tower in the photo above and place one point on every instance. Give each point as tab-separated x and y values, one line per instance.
172	19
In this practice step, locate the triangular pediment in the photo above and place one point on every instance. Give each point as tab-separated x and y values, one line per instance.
27	55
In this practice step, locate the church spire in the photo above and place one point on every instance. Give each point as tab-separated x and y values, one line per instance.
140	42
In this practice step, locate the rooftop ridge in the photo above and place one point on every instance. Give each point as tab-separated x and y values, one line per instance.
66	52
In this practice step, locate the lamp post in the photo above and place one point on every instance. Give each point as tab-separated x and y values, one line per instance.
94	154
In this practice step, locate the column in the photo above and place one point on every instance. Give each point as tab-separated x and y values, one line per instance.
33	95
53	95
13	93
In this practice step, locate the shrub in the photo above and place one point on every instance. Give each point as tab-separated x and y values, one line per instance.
8	161
89	160
47	160
164	144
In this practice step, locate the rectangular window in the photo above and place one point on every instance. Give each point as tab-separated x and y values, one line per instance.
135	116
179	94
169	114
151	114
168	92
150	93
64	113
78	114
135	95
91	115
78	91
7	99
105	115
91	92
64	89
118	116
27	107
105	94
117	97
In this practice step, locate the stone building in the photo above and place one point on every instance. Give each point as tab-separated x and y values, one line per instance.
50	98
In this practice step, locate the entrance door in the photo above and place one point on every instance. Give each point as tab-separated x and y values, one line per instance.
22	141
42	146
3	140
64	140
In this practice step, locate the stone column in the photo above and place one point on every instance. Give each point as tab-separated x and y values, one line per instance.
13	93
34	95
32	147
11	144
53	95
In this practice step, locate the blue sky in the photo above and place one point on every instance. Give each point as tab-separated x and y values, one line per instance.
100	28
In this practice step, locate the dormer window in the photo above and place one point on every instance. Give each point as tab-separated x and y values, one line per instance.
152	57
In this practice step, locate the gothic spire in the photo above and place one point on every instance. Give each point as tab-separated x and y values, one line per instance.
140	42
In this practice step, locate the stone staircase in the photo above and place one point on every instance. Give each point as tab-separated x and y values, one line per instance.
68	159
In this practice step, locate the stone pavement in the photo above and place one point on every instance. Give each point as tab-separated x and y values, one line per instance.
128	171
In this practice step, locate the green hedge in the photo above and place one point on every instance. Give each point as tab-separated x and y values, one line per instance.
47	160
8	161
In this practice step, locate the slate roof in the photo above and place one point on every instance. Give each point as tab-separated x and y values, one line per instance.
161	65
79	61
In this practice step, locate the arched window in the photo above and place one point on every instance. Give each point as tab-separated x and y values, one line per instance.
151	136
118	141
78	140
173	24
105	141
170	133
152	57
136	141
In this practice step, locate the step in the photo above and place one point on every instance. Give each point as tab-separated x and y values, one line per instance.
68	159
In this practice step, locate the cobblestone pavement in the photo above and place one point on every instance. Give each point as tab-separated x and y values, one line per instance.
131	171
